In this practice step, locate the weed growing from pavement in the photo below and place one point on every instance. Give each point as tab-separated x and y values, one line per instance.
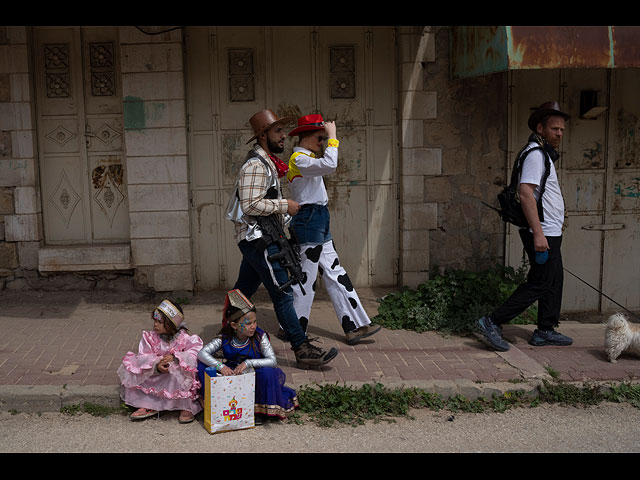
93	409
328	405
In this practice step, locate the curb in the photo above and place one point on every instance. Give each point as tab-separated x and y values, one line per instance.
52	398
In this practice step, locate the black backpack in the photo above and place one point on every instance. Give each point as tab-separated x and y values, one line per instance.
510	208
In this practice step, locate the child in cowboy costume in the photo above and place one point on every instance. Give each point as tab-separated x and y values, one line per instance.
307	165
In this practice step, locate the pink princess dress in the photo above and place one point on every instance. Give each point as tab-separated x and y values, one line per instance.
144	387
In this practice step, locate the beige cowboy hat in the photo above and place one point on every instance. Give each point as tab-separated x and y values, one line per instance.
547	108
264	120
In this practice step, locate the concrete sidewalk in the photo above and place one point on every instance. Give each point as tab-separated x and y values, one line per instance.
65	347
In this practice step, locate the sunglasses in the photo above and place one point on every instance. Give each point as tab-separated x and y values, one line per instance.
321	138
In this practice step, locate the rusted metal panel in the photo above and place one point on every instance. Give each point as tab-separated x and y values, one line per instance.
626	46
484	50
559	47
478	50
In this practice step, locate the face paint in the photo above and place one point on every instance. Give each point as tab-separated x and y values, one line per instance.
245	324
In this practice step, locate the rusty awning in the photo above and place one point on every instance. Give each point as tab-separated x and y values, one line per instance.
481	50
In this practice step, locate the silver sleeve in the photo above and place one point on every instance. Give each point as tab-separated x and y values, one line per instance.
206	354
269	355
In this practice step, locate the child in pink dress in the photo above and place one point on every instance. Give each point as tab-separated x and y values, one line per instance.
163	374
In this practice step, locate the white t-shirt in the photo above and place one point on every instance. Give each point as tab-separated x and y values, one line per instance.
552	202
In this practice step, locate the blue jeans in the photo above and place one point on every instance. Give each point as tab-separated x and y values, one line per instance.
255	270
311	224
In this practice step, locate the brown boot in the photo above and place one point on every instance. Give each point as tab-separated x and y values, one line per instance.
354	336
308	355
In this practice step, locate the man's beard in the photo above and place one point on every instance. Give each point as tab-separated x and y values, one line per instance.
274	147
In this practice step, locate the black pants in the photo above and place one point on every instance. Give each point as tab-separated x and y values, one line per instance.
544	285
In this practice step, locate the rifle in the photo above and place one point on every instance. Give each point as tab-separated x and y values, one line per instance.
289	254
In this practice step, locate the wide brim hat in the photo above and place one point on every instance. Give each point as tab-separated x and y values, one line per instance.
547	108
308	123
264	120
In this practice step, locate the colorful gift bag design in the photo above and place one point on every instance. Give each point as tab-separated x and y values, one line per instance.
228	401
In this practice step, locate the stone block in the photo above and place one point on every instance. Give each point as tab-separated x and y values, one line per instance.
22	228
159	224
157	170
411	75
153	198
415	260
5	87
16	171
437	189
6	201
412	134
420	216
26	200
154	85
14	58
6	144
412	189
28	254
419	105
160	251
415	240
421	161
8	256
173	277
155	141
20	91
84	258
23	144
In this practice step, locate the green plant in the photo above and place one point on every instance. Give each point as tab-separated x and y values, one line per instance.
327	405
451	301
92	409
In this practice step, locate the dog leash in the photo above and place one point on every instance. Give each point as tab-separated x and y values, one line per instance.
603	294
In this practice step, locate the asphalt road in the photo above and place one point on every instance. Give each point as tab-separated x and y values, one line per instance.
606	428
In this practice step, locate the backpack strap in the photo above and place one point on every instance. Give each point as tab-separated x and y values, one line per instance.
517	169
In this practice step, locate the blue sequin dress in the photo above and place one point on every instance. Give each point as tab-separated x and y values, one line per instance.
273	397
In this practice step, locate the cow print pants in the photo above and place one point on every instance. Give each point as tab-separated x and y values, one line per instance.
322	261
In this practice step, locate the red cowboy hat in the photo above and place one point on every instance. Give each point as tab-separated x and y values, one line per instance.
264	120
308	123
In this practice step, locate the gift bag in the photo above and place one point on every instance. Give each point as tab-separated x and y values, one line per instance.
228	401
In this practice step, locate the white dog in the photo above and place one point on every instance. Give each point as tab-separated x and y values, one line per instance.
621	335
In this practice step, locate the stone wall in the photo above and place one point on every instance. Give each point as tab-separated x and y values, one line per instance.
471	132
20	212
156	142
454	142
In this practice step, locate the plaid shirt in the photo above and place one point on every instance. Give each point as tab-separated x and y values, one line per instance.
253	183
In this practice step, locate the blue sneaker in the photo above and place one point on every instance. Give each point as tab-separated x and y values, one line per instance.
491	332
549	337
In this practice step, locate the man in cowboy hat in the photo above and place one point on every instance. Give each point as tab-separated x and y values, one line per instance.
308	164
542	239
257	193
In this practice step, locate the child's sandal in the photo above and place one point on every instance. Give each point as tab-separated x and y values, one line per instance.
142	413
186	417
